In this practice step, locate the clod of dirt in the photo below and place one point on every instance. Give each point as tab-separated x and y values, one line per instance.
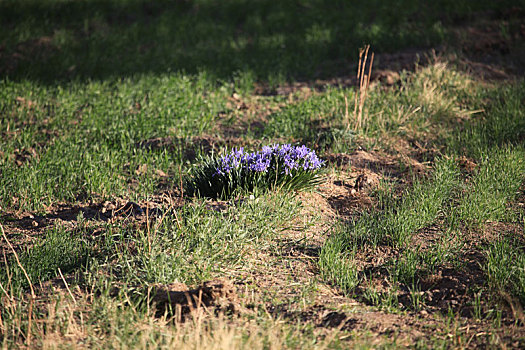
110	210
25	102
21	156
360	182
467	164
218	294
319	315
160	173
337	319
387	77
107	206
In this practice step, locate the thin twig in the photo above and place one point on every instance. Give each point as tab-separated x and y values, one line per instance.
366	88
370	70
5	292
358	75
367	47
7	271
347	117
67	287
18	262
181	187
148	227
33	295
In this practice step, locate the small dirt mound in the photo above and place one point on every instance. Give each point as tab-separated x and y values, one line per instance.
180	300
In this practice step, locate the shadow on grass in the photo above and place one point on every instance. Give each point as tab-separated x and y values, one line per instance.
51	41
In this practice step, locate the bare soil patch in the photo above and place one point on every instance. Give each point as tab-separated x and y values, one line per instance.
178	299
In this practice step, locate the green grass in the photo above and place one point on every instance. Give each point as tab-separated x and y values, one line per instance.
500	176
193	244
62	249
247	39
502	124
414	210
87	136
505	268
86	86
196	243
394	225
335	262
426	105
485	197
98	152
189	244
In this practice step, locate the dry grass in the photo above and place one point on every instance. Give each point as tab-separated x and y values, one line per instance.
80	325
363	82
436	83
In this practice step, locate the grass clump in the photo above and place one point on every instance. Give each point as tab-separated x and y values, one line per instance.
193	243
61	249
418	208
505	268
336	264
496	183
285	167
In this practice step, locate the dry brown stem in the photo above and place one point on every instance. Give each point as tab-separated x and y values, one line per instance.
363	81
33	295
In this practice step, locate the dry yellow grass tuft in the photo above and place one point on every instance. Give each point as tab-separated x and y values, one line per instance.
363	81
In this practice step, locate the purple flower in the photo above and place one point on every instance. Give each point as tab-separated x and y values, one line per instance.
302	151
269	150
259	163
286	157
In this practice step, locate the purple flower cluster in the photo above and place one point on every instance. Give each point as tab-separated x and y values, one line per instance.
285	157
